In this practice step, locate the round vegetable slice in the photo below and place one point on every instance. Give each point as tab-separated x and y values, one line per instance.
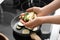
18	27
25	31
19	23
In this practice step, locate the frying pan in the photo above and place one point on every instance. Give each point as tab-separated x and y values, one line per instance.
14	22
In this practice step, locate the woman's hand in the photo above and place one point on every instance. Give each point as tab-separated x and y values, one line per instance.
37	10
33	23
35	36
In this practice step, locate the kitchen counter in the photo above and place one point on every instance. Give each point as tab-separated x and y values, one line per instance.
7	31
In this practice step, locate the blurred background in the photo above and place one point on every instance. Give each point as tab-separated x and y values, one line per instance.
11	8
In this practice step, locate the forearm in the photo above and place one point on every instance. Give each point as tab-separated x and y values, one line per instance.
50	7
51	19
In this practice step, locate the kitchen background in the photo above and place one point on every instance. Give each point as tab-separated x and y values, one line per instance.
11	8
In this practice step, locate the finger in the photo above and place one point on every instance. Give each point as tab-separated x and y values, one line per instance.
19	16
24	24
22	14
29	28
32	23
35	15
29	24
29	10
22	21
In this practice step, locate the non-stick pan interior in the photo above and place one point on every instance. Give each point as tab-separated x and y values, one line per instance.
13	25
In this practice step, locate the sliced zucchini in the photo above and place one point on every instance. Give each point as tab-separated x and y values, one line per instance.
36	28
22	17
25	17
25	31
19	23
18	27
29	16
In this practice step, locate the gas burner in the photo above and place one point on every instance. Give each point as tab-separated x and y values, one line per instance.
27	4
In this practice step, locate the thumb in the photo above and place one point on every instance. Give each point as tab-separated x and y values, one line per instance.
29	10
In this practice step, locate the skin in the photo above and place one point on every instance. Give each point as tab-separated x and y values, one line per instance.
41	15
48	9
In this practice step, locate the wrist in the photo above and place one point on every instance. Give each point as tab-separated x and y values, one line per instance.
44	19
43	12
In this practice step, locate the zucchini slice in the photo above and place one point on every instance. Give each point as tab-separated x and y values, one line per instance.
29	15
